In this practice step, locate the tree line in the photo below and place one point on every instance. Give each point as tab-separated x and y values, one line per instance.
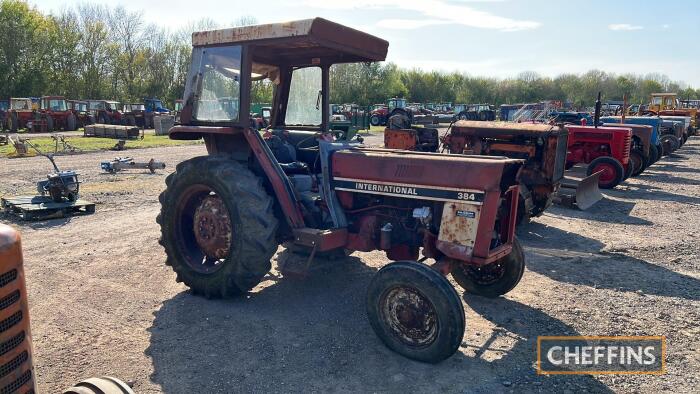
96	51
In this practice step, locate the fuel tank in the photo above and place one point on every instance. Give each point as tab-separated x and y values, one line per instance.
398	167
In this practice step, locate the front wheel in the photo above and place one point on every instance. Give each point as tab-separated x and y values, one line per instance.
218	227
494	279
415	311
613	171
374	120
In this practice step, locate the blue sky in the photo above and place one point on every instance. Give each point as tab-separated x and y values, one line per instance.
496	38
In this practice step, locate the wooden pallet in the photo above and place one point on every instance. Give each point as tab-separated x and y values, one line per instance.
112	131
43	207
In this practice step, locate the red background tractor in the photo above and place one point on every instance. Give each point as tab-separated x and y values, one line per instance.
604	149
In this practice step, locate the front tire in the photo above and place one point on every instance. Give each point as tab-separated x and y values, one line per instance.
494	279
415	311
218	227
613	171
374	120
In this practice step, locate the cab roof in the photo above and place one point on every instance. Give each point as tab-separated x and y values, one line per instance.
298	41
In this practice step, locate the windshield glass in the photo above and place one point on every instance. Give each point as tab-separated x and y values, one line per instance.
96	105
220	92
112	106
57	105
20	104
178	106
304	103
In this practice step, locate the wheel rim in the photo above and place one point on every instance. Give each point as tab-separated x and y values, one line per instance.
485	275
203	228
609	173
409	316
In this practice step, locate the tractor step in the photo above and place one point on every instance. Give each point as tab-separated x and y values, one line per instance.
577	190
43	207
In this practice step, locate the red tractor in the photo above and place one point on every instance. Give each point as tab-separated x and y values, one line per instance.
224	215
54	114
381	112
82	114
604	149
20	114
106	111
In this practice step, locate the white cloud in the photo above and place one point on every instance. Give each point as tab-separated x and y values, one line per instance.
429	13
665	26
624	27
409	23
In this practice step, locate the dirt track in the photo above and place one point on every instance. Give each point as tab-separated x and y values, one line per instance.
103	302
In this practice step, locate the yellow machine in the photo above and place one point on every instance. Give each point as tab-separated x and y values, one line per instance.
668	104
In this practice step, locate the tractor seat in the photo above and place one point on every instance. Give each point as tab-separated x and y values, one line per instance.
286	156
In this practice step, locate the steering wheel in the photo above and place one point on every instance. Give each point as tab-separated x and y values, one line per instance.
310	148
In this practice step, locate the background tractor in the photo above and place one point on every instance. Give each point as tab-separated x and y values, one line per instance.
54	114
105	111
224	215
82	114
669	105
20	114
482	112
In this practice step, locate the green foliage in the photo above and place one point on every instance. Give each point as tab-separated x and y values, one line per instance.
93	51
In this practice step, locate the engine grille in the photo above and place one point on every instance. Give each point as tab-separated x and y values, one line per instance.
16	367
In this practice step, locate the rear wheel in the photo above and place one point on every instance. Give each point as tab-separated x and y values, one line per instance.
12	123
654	154
49	124
217	226
613	171
415	311
670	143
640	162
494	279
374	120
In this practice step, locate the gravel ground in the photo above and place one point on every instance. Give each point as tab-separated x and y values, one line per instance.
103	302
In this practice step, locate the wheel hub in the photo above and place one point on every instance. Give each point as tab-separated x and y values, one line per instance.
212	227
410	316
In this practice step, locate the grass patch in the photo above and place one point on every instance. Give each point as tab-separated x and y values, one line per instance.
88	144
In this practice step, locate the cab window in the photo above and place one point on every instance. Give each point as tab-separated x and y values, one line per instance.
305	102
220	91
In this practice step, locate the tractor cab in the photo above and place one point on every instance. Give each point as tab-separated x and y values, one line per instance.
53	104
663	101
21	104
396	103
154	105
